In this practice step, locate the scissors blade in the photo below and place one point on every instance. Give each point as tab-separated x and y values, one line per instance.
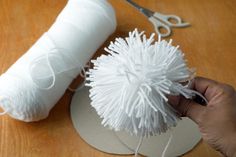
143	10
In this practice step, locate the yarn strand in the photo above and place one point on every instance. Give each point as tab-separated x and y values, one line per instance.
71	63
83	75
3	112
167	145
138	146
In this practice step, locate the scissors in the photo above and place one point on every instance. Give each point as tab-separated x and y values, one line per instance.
160	21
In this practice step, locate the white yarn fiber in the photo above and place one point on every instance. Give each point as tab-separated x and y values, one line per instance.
33	85
129	86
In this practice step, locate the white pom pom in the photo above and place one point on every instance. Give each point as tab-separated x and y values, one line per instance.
130	84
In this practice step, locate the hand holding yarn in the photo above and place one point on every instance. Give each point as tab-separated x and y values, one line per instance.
217	120
130	84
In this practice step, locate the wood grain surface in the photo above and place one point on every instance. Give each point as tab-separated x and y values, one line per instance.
209	45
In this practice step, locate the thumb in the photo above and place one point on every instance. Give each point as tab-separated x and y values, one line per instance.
187	107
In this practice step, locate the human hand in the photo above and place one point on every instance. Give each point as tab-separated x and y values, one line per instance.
217	120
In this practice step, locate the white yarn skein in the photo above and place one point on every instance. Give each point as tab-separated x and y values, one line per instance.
130	84
33	85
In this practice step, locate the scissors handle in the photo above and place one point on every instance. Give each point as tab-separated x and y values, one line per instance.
158	25
167	19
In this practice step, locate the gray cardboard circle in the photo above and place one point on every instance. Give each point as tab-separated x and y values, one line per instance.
88	124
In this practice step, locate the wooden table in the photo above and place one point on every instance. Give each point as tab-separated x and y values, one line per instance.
209	45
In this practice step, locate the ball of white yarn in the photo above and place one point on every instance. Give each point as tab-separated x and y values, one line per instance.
35	82
129	86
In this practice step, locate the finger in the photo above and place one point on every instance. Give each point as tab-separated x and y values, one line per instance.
188	108
206	87
173	100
